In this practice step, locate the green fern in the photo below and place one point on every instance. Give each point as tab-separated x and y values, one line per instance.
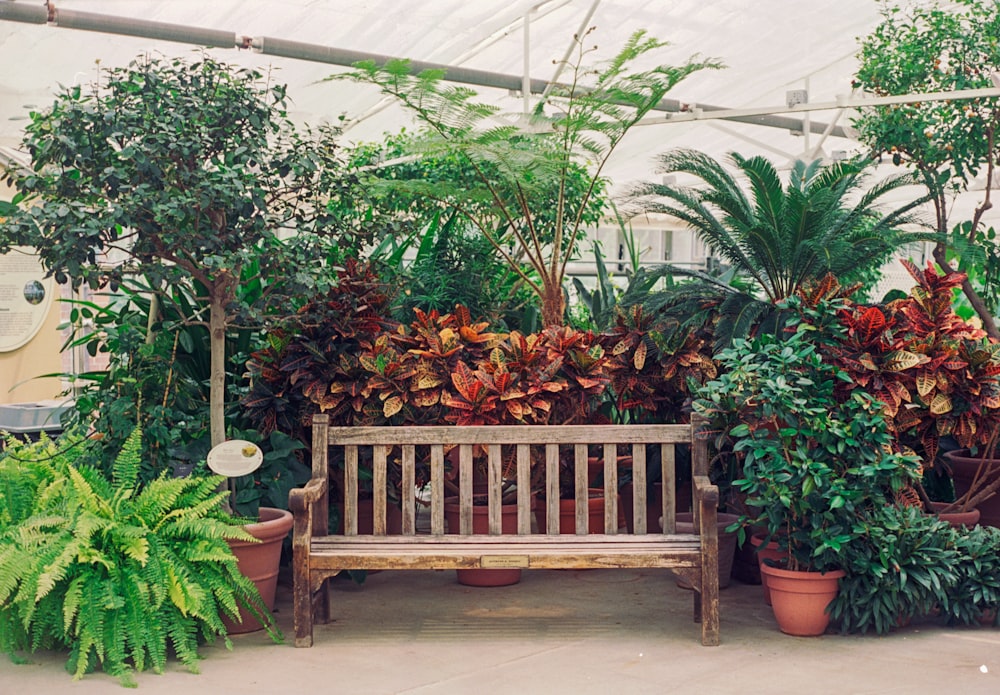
120	576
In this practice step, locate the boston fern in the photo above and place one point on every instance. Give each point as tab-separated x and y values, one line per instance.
117	574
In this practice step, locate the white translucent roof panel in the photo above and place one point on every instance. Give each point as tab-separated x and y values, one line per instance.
769	46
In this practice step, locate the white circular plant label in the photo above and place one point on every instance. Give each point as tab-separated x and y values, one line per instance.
235	458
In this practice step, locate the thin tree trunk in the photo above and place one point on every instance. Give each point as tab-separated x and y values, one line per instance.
553	305
983	311
219	297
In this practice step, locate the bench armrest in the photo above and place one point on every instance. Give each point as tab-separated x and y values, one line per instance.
302	503
300	499
706	504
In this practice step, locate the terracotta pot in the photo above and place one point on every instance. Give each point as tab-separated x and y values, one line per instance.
259	562
800	599
963	470
956	519
567	514
765	552
366	518
654	500
481	525
727	544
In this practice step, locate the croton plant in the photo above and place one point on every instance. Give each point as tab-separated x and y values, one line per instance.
936	374
342	355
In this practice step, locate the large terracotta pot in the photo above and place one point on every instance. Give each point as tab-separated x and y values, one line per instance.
765	552
567	514
956	519
800	599
963	470
727	544
259	561
366	518
481	525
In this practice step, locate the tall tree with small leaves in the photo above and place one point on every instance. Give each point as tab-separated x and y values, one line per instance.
183	173
928	47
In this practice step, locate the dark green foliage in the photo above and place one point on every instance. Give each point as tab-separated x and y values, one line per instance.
902	564
119	576
453	264
975	594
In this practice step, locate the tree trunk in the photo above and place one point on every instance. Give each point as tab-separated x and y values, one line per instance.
983	311
217	379
553	307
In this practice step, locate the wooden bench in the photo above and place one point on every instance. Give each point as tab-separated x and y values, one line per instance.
319	555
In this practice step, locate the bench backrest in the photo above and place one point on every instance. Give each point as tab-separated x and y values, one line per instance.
512	454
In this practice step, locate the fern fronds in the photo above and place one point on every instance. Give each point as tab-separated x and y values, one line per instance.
119	576
125	470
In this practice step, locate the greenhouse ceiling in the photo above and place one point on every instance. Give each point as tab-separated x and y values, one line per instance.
772	50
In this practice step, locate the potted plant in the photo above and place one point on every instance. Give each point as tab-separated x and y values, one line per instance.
810	461
118	574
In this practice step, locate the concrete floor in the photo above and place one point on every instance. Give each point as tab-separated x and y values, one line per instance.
590	631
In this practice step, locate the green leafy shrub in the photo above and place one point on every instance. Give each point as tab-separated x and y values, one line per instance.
810	462
975	594
902	564
117	574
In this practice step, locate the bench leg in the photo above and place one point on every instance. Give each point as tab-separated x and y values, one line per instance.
707	608
322	610
302	612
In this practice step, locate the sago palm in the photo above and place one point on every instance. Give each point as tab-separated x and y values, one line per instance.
780	236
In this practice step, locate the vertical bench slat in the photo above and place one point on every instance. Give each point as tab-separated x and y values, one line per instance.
552	489
465	489
408	490
493	472
379	488
668	476
699	464
523	489
580	486
639	489
611	488
437	489
321	470
351	490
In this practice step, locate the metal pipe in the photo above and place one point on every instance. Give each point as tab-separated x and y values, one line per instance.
338	56
126	26
19	12
526	75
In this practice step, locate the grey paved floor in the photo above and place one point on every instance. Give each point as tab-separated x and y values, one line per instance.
596	631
